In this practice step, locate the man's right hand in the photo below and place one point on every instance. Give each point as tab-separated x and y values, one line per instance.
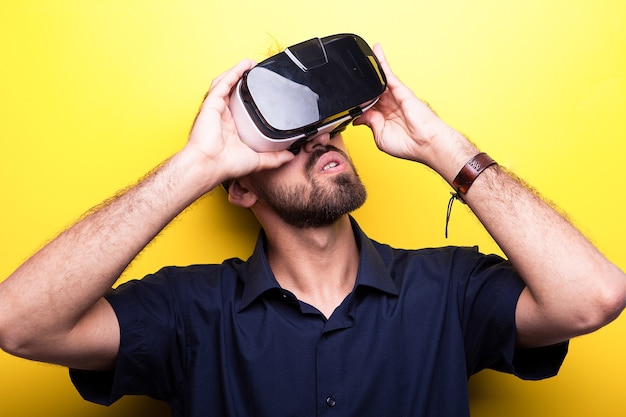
214	140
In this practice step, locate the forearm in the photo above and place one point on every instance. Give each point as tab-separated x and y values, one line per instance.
571	286
51	308
51	291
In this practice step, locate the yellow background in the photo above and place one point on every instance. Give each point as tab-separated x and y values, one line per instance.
93	94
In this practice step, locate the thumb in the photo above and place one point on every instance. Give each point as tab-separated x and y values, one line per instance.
269	160
371	118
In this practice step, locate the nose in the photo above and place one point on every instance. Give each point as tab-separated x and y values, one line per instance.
320	140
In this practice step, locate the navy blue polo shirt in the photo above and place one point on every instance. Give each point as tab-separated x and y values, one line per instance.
226	340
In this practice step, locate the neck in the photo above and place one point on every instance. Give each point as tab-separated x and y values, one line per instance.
319	265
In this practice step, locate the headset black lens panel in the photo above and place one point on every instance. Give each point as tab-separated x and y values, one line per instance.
312	83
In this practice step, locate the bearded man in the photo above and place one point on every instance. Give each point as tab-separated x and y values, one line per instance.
320	320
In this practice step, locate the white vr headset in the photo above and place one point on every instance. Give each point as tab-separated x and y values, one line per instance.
317	86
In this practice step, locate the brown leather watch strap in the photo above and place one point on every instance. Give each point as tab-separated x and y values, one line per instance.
472	169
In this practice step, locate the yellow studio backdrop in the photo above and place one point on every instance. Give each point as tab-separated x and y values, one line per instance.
93	94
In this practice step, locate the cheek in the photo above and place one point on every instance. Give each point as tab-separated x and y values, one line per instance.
338	142
279	178
292	170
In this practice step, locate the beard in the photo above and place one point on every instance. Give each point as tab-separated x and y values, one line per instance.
315	204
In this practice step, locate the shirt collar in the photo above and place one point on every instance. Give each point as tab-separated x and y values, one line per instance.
372	272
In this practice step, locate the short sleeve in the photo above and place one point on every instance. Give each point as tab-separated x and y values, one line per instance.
489	300
152	344
539	363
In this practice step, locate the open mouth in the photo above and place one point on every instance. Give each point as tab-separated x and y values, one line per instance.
329	166
326	160
329	161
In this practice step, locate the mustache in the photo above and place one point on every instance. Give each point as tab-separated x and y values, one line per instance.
317	154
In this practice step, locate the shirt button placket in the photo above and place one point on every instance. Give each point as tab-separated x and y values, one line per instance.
331	366
328	374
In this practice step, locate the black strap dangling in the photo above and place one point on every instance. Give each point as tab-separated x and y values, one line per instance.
455	196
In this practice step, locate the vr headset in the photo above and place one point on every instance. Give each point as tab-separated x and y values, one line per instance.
315	87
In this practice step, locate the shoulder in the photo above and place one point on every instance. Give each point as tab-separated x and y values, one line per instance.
446	258
182	285
454	269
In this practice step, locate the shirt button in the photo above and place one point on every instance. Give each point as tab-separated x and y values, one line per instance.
331	402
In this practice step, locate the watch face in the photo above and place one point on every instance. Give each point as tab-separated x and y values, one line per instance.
312	84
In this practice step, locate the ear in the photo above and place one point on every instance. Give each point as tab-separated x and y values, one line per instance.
239	194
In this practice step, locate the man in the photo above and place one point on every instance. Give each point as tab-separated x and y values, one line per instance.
320	319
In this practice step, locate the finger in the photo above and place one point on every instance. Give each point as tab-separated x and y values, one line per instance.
393	81
224	83
269	160
380	55
362	119
373	119
238	70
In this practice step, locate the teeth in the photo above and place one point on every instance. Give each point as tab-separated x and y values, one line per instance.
329	166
